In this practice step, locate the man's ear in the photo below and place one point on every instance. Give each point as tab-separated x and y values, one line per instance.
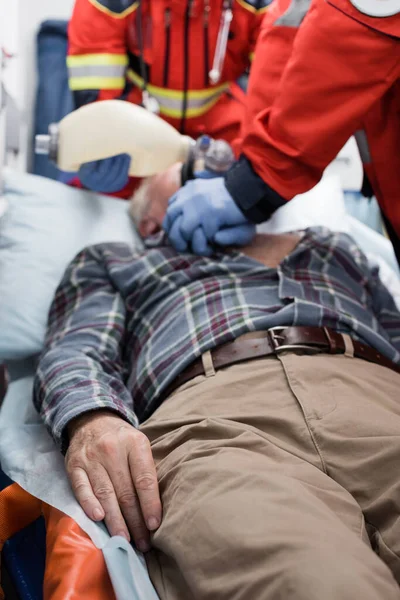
148	226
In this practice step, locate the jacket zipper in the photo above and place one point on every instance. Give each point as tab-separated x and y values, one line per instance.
186	64
167	45
206	19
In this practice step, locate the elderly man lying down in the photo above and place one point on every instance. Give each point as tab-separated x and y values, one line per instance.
239	415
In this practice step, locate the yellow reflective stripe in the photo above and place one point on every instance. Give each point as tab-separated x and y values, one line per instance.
110	13
193	103
96	83
171	101
203	94
97	71
251	8
84	60
191	113
251	56
154	90
247	6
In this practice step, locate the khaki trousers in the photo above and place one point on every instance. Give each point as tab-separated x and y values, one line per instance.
280	479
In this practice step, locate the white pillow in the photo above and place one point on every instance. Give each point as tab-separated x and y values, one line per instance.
322	206
45	225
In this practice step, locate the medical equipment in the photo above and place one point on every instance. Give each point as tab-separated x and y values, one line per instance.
214	156
151	103
111	127
220	50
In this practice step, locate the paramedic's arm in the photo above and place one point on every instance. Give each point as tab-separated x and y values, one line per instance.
337	69
82	399
97	52
260	11
280	47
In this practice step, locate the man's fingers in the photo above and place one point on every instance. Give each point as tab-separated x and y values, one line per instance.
115	479
104	491
144	476
84	494
130	507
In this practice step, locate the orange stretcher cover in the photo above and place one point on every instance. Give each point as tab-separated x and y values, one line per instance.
75	568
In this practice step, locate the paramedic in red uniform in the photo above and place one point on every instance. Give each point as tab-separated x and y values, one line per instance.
172	56
324	70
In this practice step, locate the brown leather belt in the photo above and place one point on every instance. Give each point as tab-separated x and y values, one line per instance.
259	344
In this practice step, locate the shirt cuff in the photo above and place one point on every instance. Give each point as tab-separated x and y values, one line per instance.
255	198
58	423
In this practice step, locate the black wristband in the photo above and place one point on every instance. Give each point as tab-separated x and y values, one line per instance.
255	198
187	172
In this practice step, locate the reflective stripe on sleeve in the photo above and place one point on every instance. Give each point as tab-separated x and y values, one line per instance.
97	71
295	14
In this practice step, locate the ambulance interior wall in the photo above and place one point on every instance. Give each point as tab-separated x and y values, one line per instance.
21	19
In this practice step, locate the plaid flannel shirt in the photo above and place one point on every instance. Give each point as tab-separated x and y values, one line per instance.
124	324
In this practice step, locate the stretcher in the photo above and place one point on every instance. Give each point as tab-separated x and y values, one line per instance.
49	542
51	549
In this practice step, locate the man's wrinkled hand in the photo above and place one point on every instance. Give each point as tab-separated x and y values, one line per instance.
113	476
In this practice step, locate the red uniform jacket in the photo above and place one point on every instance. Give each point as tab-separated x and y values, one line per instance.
178	45
323	71
176	40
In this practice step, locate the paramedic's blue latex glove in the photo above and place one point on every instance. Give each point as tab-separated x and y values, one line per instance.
106	176
206	174
201	214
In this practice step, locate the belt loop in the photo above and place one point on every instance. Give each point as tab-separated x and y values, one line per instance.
208	364
348	345
331	341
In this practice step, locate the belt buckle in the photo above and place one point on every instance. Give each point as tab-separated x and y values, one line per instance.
276	336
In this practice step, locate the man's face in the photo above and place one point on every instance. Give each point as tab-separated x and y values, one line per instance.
159	189
156	191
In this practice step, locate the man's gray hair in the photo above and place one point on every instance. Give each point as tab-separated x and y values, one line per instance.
139	203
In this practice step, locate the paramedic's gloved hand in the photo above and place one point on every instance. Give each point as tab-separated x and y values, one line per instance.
113	476
106	176
203	213
206	174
